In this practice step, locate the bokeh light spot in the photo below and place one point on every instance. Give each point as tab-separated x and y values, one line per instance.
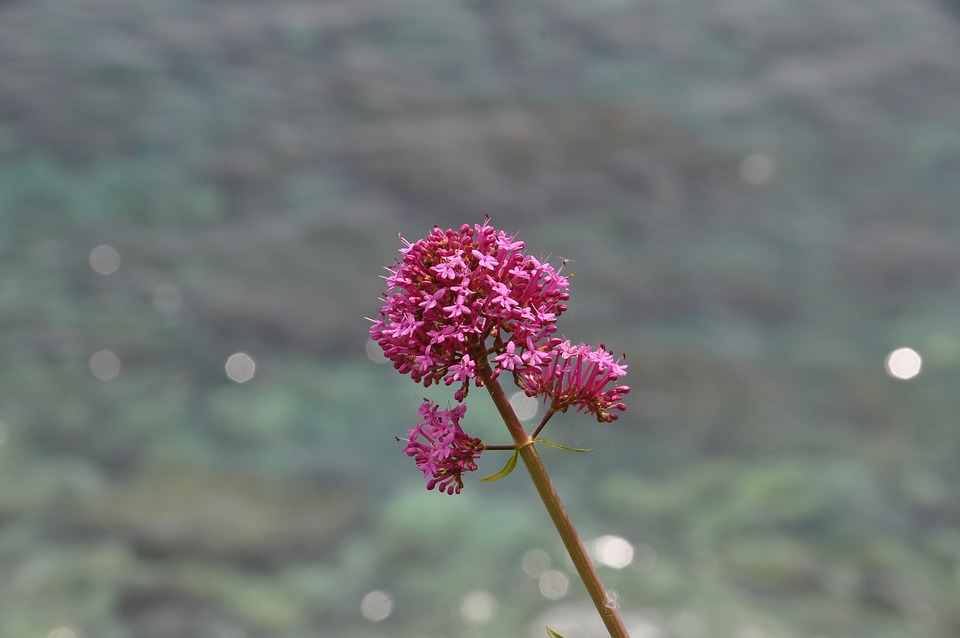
240	367
535	562
554	584
105	365
65	632
903	363
478	606
613	551
104	259
167	298
525	407
756	169
376	606
375	352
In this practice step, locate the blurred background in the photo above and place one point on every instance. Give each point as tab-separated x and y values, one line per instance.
758	200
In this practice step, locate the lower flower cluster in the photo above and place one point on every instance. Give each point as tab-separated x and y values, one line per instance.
445	452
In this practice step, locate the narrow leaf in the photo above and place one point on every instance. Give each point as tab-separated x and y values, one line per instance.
511	464
562	447
552	633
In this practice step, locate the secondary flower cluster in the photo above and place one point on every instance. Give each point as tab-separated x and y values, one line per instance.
446	452
462	299
577	375
453	291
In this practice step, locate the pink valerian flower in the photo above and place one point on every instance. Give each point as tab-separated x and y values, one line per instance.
462	371
460	294
509	359
577	375
445	452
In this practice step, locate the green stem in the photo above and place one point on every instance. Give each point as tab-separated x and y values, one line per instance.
543	422
605	605
499	447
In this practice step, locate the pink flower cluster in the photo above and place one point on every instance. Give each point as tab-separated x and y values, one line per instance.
460	299
453	292
578	375
446	452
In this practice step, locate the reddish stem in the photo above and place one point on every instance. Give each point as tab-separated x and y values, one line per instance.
605	605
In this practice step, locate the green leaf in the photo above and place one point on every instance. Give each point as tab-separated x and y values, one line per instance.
552	633
562	447
511	464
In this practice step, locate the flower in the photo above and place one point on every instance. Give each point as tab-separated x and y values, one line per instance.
576	375
445	452
459	295
509	359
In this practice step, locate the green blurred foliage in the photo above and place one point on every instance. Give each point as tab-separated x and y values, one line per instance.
261	158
